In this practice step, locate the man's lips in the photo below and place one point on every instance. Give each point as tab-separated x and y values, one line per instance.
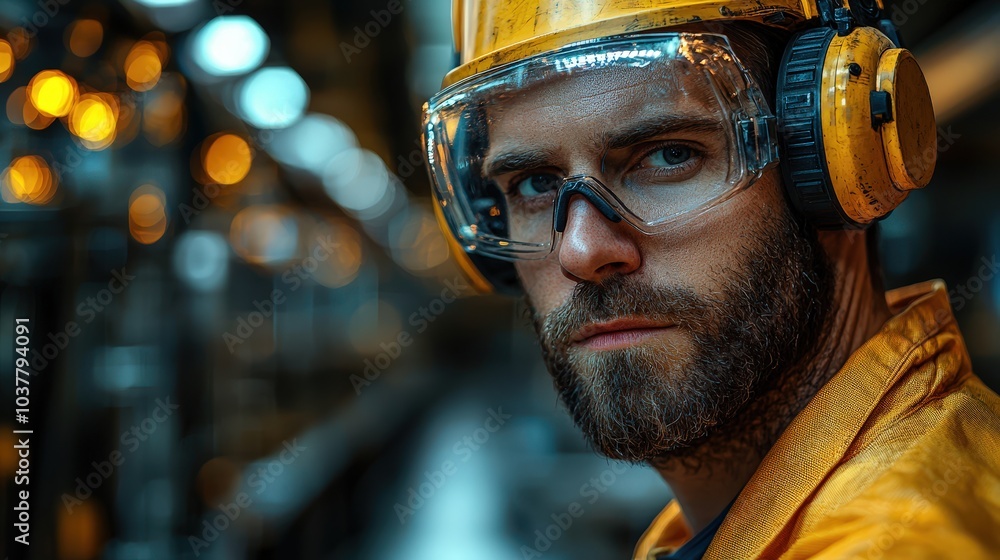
619	333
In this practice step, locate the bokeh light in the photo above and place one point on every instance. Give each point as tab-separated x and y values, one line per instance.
340	268
144	65
29	179
81	531
94	119
226	158
201	260
32	118
265	235
15	105
229	46
311	142
358	181
52	93
84	37
147	216
416	241
6	60
272	98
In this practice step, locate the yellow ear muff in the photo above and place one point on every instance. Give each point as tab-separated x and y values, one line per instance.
857	127
910	136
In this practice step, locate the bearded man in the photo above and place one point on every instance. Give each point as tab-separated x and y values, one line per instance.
685	193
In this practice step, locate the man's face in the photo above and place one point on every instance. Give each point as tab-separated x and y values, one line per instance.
654	341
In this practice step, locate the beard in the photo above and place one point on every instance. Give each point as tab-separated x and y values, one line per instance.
653	401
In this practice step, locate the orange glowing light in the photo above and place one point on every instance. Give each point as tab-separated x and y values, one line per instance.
147	216
32	118
84	37
94	119
52	93
342	266
29	179
143	66
81	531
15	105
227	159
265	235
6	60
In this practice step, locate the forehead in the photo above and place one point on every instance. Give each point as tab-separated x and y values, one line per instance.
579	107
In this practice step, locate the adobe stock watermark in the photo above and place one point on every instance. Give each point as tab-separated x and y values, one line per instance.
229	512
903	10
200	200
293	279
562	521
87	311
420	319
363	36
417	497
131	440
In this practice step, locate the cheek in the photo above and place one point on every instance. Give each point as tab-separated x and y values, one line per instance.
544	283
707	254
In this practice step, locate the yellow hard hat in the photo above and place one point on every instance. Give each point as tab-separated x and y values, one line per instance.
490	33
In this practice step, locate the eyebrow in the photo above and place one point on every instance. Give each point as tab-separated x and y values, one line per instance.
640	131
633	133
517	160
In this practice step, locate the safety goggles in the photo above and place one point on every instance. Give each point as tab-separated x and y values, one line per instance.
650	129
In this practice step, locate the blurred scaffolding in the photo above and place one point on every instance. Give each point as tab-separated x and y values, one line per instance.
247	335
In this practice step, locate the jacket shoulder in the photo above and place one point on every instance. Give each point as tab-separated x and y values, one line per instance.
926	486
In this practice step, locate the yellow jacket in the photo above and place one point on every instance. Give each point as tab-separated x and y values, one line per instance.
897	456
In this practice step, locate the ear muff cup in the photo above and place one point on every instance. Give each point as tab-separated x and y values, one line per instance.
842	102
800	132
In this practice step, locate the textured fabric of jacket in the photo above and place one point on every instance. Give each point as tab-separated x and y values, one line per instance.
897	456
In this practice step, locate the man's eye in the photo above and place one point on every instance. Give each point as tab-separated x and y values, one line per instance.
669	156
534	185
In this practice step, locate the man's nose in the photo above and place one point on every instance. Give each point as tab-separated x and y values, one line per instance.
593	247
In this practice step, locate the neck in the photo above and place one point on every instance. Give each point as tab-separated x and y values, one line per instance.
708	475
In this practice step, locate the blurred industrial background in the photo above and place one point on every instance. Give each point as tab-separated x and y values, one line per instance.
245	329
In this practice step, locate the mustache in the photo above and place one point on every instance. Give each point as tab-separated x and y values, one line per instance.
621	296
